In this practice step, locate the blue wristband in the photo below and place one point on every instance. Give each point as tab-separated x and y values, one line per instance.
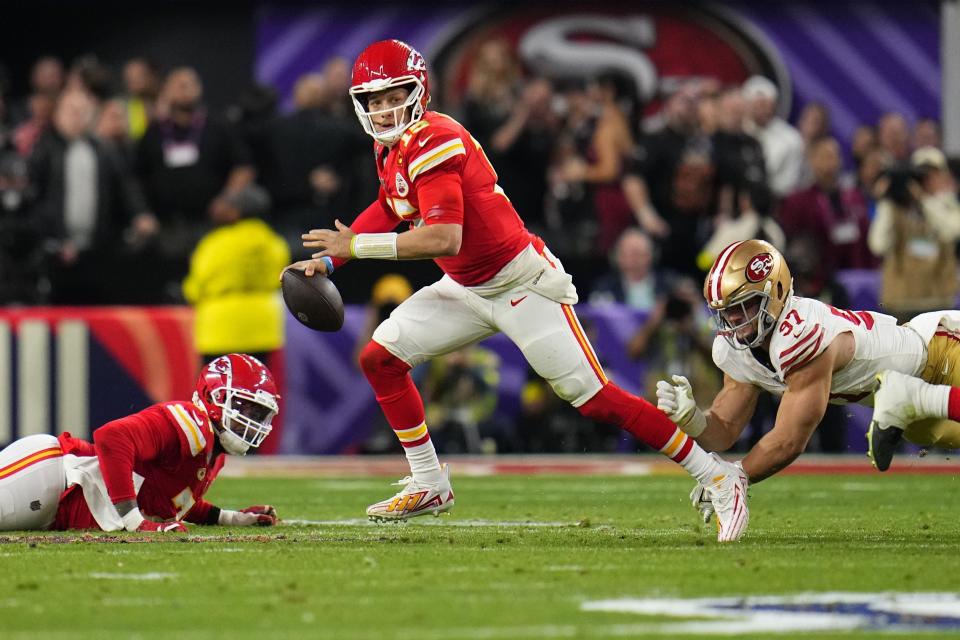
327	260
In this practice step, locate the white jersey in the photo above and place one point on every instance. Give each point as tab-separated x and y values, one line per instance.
806	328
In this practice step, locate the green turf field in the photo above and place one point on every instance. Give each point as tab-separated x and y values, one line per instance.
563	542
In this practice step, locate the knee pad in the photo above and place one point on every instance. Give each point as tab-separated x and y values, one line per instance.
377	362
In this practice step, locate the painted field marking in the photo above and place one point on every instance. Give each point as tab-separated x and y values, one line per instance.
153	575
831	611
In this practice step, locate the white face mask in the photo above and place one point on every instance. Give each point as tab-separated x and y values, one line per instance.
246	418
411	105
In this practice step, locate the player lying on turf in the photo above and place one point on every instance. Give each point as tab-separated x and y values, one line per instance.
498	277
812	353
147	471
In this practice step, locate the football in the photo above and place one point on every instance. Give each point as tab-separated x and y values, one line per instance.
314	301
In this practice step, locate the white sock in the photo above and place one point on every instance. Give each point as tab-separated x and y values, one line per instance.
424	464
698	463
932	400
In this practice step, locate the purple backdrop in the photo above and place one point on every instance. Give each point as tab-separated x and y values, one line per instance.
862	58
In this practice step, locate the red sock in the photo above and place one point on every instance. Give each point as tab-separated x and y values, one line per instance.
636	416
390	378
953	404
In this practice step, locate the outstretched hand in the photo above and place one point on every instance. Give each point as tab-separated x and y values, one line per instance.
333	244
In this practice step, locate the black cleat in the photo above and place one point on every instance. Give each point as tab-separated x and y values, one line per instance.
882	444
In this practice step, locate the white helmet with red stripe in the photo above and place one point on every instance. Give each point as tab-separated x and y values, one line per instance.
747	289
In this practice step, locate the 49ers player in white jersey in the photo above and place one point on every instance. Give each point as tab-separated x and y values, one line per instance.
498	277
812	354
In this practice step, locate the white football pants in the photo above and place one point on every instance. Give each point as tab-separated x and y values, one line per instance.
447	316
32	477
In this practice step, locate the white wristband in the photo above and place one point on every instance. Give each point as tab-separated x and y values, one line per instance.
695	425
132	520
374	245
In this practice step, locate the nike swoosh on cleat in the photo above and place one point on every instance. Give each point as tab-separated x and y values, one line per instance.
514	303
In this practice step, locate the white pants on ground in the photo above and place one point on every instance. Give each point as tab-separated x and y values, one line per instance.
32	477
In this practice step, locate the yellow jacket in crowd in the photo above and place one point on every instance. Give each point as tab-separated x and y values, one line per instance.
234	284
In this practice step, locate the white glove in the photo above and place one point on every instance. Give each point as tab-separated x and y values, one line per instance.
676	400
260	515
701	502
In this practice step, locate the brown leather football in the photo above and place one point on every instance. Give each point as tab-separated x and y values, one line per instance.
314	301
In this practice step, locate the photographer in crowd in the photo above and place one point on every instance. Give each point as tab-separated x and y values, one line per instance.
915	231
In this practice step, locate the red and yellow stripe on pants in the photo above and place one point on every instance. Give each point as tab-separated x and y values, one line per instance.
943	367
677	447
413	437
583	342
30	460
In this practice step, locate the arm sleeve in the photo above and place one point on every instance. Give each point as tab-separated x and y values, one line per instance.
377	218
203	512
123	443
440	195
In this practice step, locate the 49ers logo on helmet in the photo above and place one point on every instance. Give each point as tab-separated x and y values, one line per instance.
759	267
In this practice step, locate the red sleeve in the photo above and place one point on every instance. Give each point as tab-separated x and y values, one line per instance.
376	218
123	443
200	512
440	197
76	446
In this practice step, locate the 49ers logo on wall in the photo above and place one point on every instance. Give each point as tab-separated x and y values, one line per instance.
656	46
759	267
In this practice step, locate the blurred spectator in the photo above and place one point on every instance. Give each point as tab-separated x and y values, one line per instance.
517	127
336	84
751	218
460	396
864	180
864	139
47	77
670	184
927	133
40	109
188	162
814	122
633	281
91	76
568	209
520	145
915	231
253	116
677	339
893	134
835	218
738	156
602	163
234	282
311	163
112	129
782	144
83	201
141	80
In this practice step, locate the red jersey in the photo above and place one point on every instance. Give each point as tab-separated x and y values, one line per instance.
438	173
171	445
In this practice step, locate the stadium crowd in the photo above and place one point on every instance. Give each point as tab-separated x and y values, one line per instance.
109	178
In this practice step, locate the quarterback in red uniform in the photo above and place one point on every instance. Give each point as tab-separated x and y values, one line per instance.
147	471
435	177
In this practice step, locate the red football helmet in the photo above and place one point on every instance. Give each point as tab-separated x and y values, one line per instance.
383	65
239	395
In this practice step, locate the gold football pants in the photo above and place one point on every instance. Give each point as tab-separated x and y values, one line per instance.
943	367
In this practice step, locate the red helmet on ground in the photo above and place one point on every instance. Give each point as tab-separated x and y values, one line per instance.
240	396
384	65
